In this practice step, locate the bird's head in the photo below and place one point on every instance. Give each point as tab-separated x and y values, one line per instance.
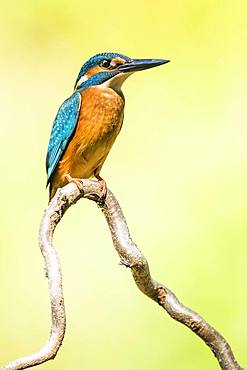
112	69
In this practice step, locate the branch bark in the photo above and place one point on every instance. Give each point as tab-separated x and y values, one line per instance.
131	257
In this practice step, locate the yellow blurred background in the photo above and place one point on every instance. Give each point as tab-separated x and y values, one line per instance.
178	169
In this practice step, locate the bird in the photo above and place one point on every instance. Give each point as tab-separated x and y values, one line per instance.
88	122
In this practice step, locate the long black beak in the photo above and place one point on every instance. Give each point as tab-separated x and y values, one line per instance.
140	64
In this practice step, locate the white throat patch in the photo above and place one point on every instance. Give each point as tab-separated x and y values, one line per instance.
116	82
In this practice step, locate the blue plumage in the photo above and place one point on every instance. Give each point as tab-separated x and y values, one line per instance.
97	79
64	126
96	59
67	116
66	121
62	130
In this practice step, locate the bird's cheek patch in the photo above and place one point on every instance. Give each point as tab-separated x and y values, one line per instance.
93	71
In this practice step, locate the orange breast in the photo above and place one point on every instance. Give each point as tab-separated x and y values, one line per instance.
99	123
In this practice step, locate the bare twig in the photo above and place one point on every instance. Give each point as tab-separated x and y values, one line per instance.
49	222
130	256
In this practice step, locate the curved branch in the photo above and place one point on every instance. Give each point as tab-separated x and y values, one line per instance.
130	256
52	216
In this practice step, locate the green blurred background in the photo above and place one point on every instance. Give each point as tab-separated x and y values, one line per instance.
178	169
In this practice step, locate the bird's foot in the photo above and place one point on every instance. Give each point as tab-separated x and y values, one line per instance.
103	187
75	181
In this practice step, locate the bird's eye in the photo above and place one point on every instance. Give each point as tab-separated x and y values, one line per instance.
105	63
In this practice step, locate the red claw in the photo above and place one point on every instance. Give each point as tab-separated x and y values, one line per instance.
75	181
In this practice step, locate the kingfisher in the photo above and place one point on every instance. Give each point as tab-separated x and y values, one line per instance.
88	122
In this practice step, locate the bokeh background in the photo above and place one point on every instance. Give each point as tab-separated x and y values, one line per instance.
178	169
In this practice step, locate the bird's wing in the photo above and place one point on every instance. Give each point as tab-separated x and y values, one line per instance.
63	127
